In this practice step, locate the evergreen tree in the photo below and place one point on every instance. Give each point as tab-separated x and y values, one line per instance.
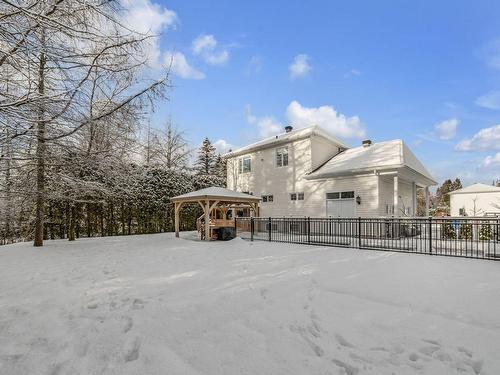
210	169
220	168
442	194
448	232
205	162
465	232
485	233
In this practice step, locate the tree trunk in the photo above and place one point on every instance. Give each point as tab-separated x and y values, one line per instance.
101	217
8	197
40	153
123	217
51	216
129	219
72	214
77	220
89	222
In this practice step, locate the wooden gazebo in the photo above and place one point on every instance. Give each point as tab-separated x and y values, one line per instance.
213	200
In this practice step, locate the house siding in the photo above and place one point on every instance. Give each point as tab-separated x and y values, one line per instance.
485	203
304	156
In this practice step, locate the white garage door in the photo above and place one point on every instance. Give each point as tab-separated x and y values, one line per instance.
340	208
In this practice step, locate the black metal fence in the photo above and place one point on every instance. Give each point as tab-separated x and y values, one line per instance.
461	237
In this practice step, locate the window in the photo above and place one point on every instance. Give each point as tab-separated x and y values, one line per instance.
245	164
296	196
282	157
267	198
332	195
347	195
340	195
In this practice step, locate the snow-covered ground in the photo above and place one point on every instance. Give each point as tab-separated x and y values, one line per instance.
158	305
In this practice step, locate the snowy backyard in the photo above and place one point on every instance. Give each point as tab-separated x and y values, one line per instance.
154	304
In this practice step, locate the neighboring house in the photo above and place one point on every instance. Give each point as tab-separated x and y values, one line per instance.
308	172
475	200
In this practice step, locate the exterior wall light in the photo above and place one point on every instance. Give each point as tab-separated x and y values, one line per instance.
358	199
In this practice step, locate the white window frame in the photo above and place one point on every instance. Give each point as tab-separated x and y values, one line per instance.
296	195
265	198
340	195
281	152
241	164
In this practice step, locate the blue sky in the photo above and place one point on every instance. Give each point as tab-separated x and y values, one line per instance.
427	72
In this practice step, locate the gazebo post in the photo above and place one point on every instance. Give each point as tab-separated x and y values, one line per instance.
177	209
207	220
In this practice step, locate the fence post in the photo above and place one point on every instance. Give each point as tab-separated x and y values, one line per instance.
308	230
269	224
430	234
235	227
359	232
251	228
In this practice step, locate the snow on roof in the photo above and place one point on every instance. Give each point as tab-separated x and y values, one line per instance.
216	192
378	156
287	137
477	188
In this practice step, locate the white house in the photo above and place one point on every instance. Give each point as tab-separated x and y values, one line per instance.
308	172
475	200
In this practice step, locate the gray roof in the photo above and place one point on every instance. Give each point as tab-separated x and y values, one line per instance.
477	188
282	138
377	157
218	193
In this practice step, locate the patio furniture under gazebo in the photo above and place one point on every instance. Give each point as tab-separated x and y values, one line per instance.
214	200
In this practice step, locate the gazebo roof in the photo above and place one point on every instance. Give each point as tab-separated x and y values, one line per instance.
216	193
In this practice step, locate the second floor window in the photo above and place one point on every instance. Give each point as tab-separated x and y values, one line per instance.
267	198
296	196
282	157
245	164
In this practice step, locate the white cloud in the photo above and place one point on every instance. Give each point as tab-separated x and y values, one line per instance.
300	67
206	47
492	161
484	140
326	117
223	146
180	66
254	65
300	117
447	129
491	53
267	125
490	100
352	72
147	17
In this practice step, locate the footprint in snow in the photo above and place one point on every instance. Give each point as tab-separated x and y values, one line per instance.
128	323
428	350
132	349
346	367
432	342
138	304
342	341
263	293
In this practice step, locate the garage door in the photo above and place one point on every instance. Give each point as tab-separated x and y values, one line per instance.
340	208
